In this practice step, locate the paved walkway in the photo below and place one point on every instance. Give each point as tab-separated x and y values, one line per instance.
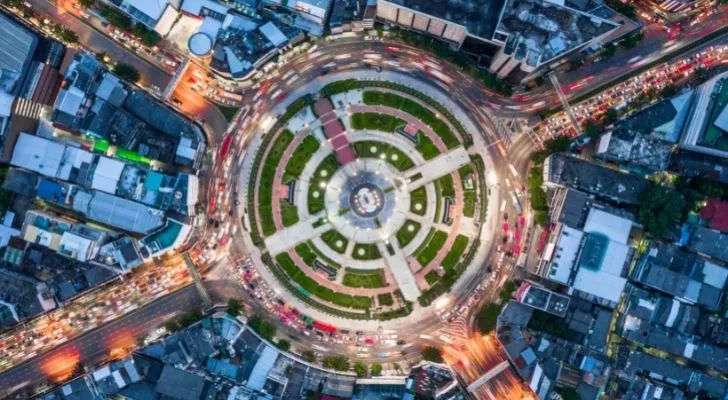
400	271
300	232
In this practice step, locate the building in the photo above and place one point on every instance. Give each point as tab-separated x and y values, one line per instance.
708	121
708	242
527	34
561	170
81	388
683	275
632	363
715	213
691	164
76	241
669	325
122	121
157	15
307	15
591	260
542	299
352	15
17	46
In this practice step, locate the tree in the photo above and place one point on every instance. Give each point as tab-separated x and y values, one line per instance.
633	39
86	3
233	307
171	326
659	208
670	90
337	362
432	354
283	344
127	72
488	317
115	17
264	328
592	129
147	37
308	356
610	50
11	3
395	366
360	369
377	369
68	36
610	116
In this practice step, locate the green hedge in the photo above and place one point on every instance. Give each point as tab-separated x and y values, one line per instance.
480	169
289	214
470	196
322	292
330	165
431	247
371	252
301	156
375	121
364	150
373	279
426	147
453	256
306	254
432	277
331	237
404	236
416	110
418	195
447	188
267	175
385	299
350	84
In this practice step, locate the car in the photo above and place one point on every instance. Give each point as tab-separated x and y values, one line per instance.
359	333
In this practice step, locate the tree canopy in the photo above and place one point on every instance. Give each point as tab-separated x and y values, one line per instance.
433	354
127	72
659	208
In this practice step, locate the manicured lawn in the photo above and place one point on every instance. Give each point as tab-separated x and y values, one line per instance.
431	248
372	279
306	254
470	194
432	277
418	196
267	174
322	257
453	256
427	147
311	287
333	238
385	299
387	152
328	166
447	189
416	110
375	121
289	214
405	235
300	156
365	251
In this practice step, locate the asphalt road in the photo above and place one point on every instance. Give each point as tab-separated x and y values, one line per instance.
98	42
94	347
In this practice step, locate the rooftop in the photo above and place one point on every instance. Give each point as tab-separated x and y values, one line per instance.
478	17
716	213
709	242
691	164
564	170
635	150
540	30
17	46
683	275
117	212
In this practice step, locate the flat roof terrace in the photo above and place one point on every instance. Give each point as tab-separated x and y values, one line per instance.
479	17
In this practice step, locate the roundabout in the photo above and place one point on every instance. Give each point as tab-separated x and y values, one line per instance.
366	199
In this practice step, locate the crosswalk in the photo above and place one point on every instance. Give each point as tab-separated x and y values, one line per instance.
675	6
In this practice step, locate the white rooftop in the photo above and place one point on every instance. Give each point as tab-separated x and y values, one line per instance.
151	8
616	228
117	212
107	174
273	34
47	157
77	247
564	257
606	282
194	7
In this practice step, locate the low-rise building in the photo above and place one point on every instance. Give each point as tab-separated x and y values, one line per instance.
683	275
592	260
352	15
561	170
307	15
157	15
708	242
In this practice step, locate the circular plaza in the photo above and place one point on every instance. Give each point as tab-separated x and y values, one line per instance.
365	198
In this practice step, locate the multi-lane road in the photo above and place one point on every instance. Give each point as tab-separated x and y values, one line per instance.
95	346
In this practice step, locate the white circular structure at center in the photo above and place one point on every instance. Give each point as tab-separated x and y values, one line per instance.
367	201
